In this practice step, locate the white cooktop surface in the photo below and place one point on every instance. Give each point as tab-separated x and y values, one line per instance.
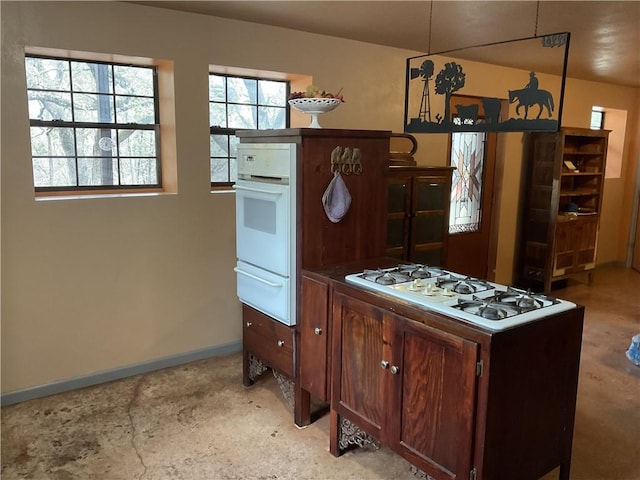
426	294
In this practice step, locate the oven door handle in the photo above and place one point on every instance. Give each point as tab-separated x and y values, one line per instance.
262	280
257	190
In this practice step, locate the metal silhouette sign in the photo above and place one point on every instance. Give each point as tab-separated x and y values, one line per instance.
534	103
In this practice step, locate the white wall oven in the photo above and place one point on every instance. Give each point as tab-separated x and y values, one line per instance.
265	228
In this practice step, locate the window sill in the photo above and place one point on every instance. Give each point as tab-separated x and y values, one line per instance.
52	196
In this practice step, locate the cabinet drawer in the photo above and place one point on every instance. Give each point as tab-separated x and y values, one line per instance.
268	339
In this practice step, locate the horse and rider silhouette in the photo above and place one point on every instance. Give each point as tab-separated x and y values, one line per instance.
531	95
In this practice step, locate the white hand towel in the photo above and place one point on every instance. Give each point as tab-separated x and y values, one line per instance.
336	199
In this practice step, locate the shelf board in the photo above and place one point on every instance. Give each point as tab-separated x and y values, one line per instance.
568	217
577	193
583	153
581	174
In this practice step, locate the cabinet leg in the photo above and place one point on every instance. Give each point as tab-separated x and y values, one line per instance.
301	406
334	433
247	381
564	470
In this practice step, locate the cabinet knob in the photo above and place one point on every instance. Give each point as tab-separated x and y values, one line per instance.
395	370
248	324
281	343
318	331
384	364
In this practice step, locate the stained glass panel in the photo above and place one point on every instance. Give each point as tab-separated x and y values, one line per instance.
467	156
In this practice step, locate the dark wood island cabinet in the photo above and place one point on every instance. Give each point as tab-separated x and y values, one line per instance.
456	400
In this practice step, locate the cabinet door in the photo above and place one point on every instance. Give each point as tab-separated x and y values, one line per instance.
587	237
434	399
313	328
360	344
564	248
428	219
399	204
575	246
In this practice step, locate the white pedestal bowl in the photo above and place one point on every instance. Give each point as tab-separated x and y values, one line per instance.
314	107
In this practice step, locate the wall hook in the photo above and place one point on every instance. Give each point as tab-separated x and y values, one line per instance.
346	160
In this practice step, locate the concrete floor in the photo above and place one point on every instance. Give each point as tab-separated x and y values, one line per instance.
197	421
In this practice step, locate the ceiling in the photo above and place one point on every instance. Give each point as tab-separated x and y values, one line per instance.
605	35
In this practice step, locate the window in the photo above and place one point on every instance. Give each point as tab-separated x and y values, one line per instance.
597	118
94	125
241	103
467	156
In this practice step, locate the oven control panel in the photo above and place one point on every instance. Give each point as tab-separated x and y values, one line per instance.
266	160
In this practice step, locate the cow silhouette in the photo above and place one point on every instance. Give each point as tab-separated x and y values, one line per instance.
491	107
467	112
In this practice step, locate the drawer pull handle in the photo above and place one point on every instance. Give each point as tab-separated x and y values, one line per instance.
318	331
256	190
281	343
248	324
261	280
395	370
384	364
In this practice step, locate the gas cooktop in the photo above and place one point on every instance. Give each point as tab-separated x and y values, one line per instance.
476	301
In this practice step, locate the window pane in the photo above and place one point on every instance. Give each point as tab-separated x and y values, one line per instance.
135	110
133	80
88	107
137	143
97	171
48	74
242	116
234	141
219	170
272	117
44	105
233	167
272	93
138	171
217	115
219	145
91	77
52	142
54	172
596	119
216	88
107	142
94	142
242	90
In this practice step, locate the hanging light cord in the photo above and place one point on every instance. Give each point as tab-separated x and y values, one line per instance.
430	18
535	31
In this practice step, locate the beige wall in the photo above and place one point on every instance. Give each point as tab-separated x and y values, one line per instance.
96	284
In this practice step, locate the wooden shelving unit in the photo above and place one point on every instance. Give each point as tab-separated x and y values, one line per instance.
564	184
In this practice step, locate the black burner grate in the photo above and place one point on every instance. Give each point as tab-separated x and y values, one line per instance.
463	285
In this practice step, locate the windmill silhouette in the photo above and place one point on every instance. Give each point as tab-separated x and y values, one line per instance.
425	71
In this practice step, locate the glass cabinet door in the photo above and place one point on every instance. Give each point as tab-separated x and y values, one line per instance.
428	219
397	217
